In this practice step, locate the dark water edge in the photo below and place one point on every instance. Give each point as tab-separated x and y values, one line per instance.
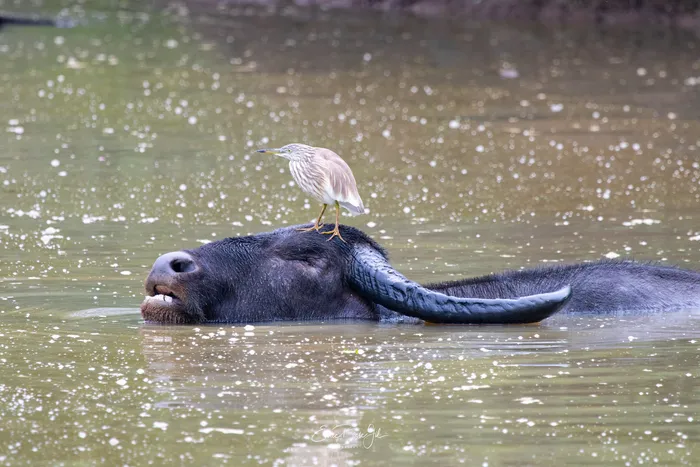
627	14
683	14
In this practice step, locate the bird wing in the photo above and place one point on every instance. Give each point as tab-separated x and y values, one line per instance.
340	182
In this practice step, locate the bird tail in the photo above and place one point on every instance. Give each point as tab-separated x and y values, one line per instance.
353	208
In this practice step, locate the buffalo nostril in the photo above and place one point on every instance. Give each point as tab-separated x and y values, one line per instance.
172	264
180	265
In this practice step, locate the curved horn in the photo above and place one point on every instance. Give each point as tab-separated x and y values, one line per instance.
373	276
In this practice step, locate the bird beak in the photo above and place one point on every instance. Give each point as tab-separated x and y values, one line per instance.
269	151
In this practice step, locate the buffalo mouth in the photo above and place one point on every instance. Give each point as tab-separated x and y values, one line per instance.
162	305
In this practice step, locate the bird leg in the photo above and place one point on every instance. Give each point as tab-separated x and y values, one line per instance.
335	232
316	226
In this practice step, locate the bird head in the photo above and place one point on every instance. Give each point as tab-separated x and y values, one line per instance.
294	151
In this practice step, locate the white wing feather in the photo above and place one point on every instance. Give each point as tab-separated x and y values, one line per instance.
340	183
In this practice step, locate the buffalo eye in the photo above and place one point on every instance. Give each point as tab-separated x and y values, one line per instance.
307	256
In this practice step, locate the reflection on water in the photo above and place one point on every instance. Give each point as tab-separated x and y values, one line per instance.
110	386
476	148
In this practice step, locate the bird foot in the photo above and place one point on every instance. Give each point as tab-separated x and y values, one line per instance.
315	227
334	233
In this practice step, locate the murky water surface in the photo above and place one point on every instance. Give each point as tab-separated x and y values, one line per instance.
476	148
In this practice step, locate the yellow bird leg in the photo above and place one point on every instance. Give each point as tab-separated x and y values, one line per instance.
316	226
335	232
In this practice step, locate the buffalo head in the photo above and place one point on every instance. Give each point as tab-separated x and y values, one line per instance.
286	275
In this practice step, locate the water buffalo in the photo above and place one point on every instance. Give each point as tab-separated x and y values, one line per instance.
287	275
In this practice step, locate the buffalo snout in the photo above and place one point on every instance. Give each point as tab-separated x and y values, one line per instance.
166	296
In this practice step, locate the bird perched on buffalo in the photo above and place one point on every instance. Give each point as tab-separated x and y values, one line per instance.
325	176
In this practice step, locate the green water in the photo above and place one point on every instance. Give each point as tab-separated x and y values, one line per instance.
476	149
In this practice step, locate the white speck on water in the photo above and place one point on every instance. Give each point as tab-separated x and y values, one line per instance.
291	365
367	57
46	239
108	131
82	435
248	217
386	133
183	187
55	163
556	107
59	40
226	431
611	255
480	148
471	387
634	222
74	64
631	338
192	120
162	425
125	273
406	210
55	336
113	441
454	124
508	73
428	366
528	401
641	72
372	224
171	43
121	382
249	327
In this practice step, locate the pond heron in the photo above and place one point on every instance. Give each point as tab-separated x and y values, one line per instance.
325	176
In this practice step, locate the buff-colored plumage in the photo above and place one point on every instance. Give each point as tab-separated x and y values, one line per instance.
325	176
